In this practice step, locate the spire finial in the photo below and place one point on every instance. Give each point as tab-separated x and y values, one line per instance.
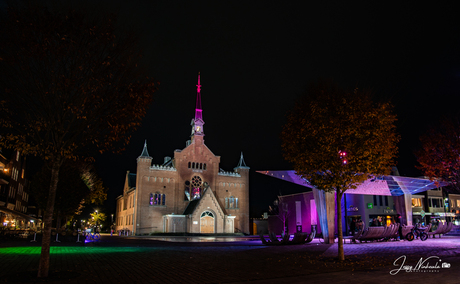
198	87
198	110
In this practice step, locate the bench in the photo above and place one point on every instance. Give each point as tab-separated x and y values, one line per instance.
443	228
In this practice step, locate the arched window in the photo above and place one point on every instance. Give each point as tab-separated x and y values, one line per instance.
226	202
204	166
232	202
189	164
193	165
201	166
236	202
207	213
163	199
187	192
196	187
151	199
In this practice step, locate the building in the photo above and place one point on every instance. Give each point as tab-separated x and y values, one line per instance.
188	193
376	202
454	208
14	194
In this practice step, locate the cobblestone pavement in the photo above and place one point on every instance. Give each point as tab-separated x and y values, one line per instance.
146	260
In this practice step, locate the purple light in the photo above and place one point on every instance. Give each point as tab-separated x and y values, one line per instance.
198	110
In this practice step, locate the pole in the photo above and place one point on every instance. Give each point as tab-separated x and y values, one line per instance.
35	238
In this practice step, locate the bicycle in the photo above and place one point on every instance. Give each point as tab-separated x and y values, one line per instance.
416	232
92	236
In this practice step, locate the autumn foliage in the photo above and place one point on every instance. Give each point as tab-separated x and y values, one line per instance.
71	85
337	139
439	156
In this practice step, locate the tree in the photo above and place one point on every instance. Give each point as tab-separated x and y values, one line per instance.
439	156
337	139
71	86
97	218
281	209
78	186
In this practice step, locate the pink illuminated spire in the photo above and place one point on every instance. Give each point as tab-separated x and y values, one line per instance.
198	110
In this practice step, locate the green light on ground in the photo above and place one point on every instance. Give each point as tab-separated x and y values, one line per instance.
69	250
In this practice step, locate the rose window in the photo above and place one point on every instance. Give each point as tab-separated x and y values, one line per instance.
196	187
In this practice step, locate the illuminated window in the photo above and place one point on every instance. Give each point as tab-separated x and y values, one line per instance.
196	187
458	202
157	199
416	202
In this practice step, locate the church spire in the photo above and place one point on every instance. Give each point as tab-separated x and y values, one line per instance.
198	110
241	163
197	122
145	153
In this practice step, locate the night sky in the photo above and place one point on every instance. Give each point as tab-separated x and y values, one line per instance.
257	57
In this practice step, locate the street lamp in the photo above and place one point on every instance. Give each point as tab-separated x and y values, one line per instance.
96	222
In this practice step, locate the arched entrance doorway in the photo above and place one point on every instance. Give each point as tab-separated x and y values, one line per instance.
207	223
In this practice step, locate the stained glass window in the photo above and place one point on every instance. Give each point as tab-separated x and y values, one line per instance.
196	187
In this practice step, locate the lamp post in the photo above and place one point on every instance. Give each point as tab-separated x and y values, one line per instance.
96	222
111	226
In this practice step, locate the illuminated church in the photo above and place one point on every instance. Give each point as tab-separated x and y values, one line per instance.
186	194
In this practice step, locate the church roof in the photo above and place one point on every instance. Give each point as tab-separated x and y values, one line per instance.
191	207
131	180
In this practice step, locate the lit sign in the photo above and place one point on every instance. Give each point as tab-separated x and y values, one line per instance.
352	209
370	205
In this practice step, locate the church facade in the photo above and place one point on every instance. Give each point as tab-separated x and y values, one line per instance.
186	194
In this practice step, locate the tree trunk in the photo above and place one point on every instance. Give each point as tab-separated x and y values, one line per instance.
341	254
44	265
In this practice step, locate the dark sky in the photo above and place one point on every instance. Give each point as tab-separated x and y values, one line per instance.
256	57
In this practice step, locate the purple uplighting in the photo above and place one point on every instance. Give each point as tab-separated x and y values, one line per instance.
198	110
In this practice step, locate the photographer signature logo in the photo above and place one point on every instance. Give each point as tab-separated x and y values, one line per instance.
429	264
